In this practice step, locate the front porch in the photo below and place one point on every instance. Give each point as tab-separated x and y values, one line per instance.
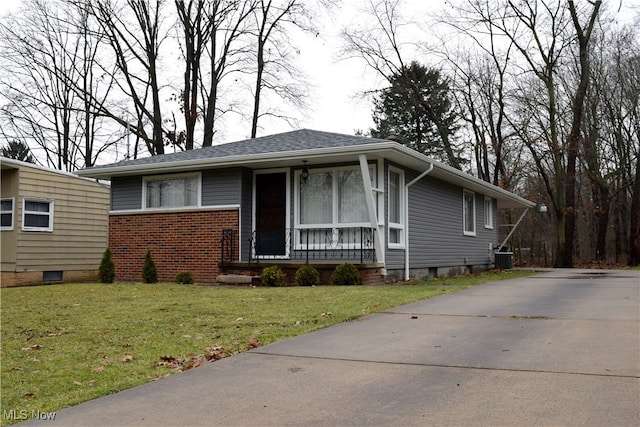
370	274
324	248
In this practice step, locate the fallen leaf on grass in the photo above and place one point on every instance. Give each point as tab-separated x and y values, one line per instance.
193	361
126	358
33	347
253	343
325	314
98	369
77	383
239	319
28	395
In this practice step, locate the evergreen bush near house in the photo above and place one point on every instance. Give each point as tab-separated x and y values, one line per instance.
184	278
149	271
273	276
346	275
307	275
107	269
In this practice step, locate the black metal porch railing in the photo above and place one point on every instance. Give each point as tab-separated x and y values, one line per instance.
349	244
228	243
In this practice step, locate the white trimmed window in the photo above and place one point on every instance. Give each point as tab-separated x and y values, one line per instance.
488	212
172	191
469	213
6	214
37	215
332	203
396	208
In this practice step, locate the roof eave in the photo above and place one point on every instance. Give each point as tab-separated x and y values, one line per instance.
408	157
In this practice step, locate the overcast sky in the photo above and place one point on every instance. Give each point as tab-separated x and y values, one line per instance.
334	84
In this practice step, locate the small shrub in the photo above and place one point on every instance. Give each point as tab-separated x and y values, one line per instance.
346	275
107	269
149	271
184	278
273	276
307	275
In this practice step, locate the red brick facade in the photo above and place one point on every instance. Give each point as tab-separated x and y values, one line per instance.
179	241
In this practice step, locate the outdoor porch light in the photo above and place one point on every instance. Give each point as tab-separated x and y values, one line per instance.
542	208
305	172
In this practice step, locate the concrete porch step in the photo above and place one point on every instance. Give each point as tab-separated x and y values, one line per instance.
237	279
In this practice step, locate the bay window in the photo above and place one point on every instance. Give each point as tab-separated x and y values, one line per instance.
331	204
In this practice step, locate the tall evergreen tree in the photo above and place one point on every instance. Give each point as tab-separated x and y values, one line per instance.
18	150
417	109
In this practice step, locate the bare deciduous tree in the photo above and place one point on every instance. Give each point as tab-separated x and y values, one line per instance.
381	48
135	33
42	104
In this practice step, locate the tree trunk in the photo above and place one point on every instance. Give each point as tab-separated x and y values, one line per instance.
577	110
634	235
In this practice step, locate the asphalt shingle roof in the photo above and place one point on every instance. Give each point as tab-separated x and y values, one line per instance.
303	139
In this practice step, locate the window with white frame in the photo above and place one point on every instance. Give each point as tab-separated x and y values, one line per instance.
469	213
37	215
172	191
396	208
488	212
6	214
331	204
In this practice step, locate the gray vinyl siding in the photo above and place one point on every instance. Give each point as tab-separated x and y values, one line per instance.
436	235
221	187
126	193
246	212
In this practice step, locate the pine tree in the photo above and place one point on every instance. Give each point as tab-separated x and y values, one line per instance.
149	271
107	270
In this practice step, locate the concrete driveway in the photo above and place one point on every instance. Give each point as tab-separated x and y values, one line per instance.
560	348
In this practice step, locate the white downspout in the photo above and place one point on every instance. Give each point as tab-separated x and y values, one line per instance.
373	219
406	219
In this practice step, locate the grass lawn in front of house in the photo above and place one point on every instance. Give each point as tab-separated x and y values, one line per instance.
69	343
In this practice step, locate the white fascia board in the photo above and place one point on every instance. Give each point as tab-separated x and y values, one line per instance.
389	149
240	160
450	174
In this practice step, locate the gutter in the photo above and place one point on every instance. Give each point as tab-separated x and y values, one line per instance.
406	218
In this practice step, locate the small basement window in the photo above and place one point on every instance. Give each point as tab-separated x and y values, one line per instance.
52	276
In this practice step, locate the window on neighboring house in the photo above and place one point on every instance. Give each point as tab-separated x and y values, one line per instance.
6	214
396	208
469	213
488	212
331	205
175	191
37	215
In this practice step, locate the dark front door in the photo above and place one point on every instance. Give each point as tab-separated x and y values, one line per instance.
271	210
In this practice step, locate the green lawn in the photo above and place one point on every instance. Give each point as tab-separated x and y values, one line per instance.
65	344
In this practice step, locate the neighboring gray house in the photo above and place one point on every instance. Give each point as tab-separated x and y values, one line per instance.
296	197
